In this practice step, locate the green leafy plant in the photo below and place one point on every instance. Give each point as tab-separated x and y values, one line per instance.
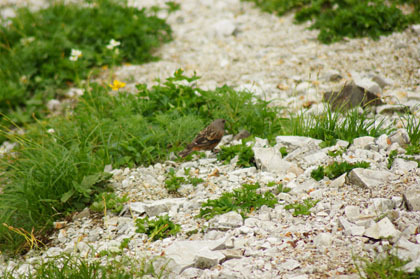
392	155
302	208
57	166
336	153
338	19
158	228
329	126
43	52
71	266
243	151
279	187
174	182
412	125
385	265
283	151
108	201
336	169
243	200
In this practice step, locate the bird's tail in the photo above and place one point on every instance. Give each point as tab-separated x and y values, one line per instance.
185	152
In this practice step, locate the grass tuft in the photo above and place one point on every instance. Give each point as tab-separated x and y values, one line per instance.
336	169
243	200
38	50
337	19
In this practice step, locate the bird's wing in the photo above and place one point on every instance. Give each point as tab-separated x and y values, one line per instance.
207	137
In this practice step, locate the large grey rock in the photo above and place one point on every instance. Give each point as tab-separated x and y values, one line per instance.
412	198
352	212
206	258
339	181
382	205
316	158
269	159
154	208
381	80
350	228
351	96
184	252
369	178
408	250
363	142
227	221
404	165
368	85
382	229
294	142
401	137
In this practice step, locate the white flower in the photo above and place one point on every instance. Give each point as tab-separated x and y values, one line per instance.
75	54
51	131
113	43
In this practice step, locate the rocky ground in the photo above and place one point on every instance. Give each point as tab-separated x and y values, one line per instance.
362	213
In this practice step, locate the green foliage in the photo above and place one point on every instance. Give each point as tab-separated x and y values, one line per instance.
66	266
174	182
279	187
243	200
336	169
243	151
283	151
54	173
337	19
330	126
412	125
108	201
35	49
158	228
384	266
47	181
336	153
392	155
302	208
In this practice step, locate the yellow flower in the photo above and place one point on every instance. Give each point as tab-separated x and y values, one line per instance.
117	85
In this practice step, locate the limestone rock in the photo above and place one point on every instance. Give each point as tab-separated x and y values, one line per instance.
382	229
350	228
412	198
269	159
227	221
369	178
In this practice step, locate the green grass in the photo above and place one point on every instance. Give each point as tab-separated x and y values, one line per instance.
157	228
329	126
337	19
54	174
384	266
302	208
242	200
108	201
35	50
67	266
245	155
336	169
412	125
173	182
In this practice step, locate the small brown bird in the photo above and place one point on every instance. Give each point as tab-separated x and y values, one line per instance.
207	139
